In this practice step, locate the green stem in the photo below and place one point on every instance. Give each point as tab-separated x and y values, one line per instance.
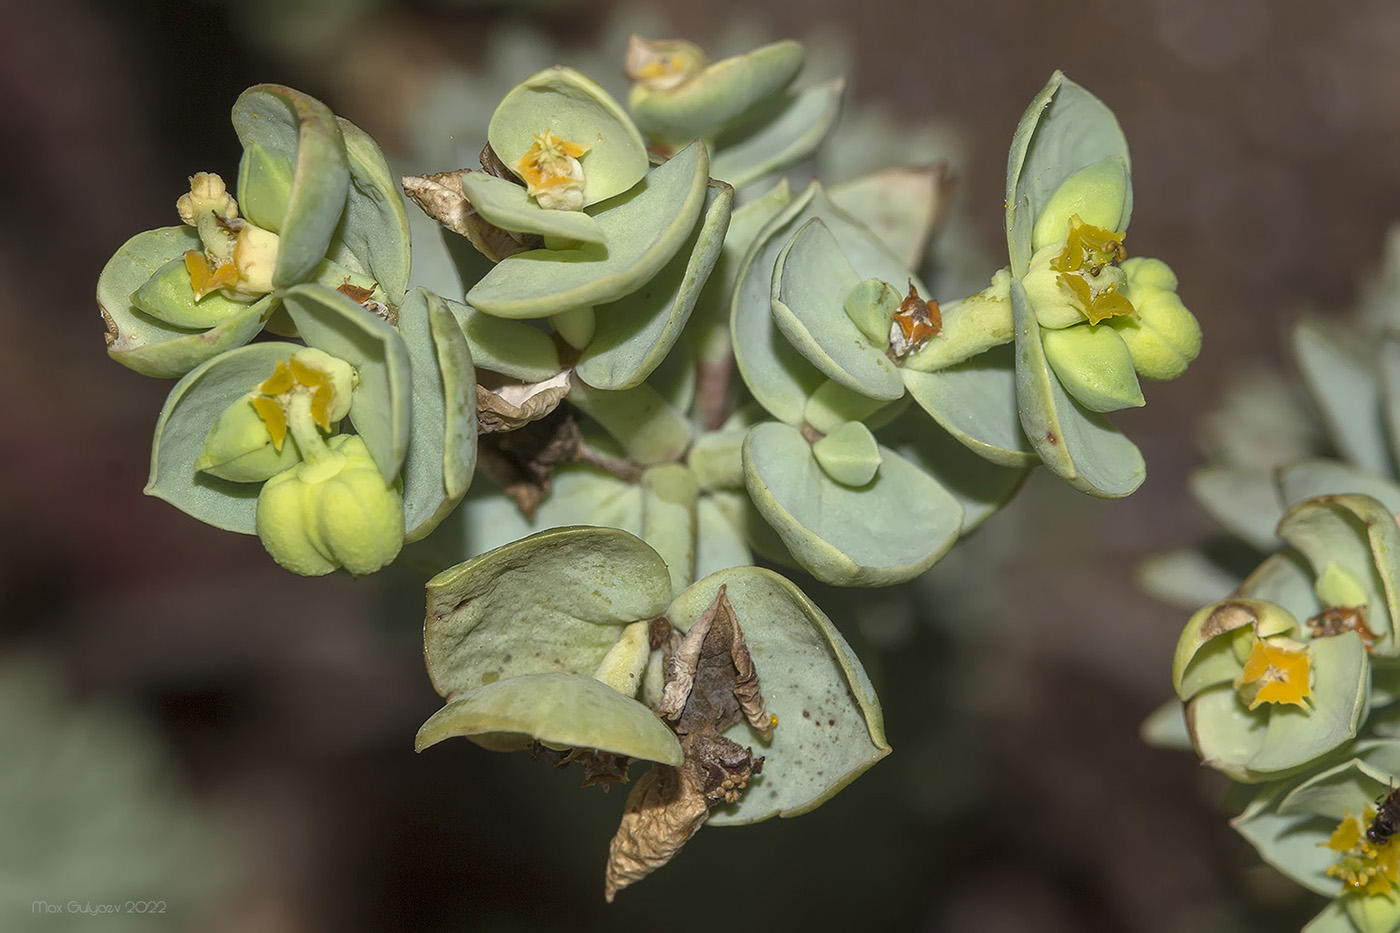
303	428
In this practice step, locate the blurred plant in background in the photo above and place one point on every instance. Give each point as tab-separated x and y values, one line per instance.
96	828
1288	678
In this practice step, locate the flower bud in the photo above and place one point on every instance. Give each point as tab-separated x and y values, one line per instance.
335	511
207	193
1094	365
240	448
1163	337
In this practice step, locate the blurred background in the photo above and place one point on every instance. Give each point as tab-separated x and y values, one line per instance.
182	722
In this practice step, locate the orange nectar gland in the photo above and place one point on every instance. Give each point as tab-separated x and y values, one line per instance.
913	324
205	279
1277	671
1088	249
550	166
1364	866
274	396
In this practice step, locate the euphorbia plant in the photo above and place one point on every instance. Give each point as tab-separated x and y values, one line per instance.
666	361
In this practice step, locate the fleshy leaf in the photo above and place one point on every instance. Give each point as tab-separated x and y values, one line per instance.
780	132
572	710
811	279
717	97
981	488
1064	130
643	230
1304	479
380	411
1347	395
575	108
890	530
1080	447
190	411
901	206
512	348
508	206
442	444
150	347
829	729
1186	579
639	418
302	130
1245	500
975	402
375	227
637	332
669	498
1290	841
849	455
555	601
1358	535
777	375
1286	580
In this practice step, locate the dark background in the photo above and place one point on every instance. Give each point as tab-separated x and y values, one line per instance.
1265	142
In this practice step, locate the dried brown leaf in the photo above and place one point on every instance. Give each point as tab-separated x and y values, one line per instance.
711	682
522	461
663	812
441	198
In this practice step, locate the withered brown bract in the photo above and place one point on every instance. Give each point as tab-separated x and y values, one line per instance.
711	685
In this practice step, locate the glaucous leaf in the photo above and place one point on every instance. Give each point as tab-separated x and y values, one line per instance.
517	349
637	332
441	453
777	375
811	279
575	108
1305	479
1079	446
382	404
555	601
573	710
507	205
830	728
780	132
649	430
1064	129
718	96
980	487
375	227
1359	536
890	530
1245	500
975	402
189	412
151	347
1347	395
901	206
643	231
303	131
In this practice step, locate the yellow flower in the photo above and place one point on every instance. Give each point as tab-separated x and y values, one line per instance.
1278	670
552	173
1365	867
